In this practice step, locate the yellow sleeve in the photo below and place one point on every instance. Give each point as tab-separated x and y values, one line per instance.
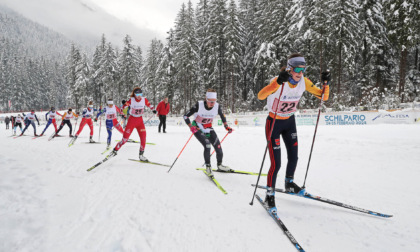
317	92
75	114
269	89
64	116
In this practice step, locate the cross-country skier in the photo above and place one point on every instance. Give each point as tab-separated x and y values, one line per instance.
125	113
201	127
87	115
30	120
111	119
137	104
290	84
18	122
66	120
50	116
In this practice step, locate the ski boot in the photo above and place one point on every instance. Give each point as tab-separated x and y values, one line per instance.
269	199
142	157
35	134
70	135
291	187
113	153
209	170
91	140
42	134
223	168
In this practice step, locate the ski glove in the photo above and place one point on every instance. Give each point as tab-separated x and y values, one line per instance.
229	129
96	119
154	111
193	129
326	77
283	77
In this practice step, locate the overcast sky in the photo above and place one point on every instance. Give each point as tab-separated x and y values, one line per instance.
155	15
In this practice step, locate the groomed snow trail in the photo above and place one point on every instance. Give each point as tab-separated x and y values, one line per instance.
48	202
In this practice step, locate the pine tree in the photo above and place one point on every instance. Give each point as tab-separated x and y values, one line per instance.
233	46
402	22
127	68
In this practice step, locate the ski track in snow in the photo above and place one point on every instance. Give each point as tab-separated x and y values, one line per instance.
49	202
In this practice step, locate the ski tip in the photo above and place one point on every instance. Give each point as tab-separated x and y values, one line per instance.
381	215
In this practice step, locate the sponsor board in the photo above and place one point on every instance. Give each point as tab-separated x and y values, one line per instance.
308	119
345	119
392	117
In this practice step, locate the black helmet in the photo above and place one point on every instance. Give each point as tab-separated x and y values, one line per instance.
124	101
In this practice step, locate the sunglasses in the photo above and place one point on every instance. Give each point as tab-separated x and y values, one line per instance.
210	101
299	69
138	94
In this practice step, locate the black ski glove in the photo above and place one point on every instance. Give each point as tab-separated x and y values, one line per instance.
326	77
154	111
283	77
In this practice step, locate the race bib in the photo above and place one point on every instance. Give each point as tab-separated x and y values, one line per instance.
110	116
137	111
286	108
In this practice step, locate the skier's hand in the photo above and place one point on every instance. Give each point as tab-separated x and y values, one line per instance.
326	77
193	129
283	77
154	111
96	119
229	129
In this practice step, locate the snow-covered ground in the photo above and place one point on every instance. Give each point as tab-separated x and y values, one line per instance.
48	202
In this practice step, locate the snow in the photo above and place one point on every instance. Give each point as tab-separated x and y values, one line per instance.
48	202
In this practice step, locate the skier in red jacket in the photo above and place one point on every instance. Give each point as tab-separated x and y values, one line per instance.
163	109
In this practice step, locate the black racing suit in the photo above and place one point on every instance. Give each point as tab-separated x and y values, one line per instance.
207	139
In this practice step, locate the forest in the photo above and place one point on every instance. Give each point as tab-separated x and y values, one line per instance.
236	47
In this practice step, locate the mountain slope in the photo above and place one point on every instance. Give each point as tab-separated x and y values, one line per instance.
80	20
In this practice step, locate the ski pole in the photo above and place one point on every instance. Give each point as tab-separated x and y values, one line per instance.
268	143
316	128
148	119
75	126
220	143
180	153
100	124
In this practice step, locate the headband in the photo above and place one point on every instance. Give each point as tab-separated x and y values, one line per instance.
294	62
211	95
110	102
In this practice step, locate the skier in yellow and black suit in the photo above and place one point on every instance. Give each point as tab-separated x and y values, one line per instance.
290	84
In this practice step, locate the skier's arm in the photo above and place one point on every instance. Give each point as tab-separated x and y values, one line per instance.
191	112
317	92
222	116
148	104
101	111
269	89
119	111
46	119
36	118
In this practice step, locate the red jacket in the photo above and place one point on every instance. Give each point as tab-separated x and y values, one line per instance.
162	108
